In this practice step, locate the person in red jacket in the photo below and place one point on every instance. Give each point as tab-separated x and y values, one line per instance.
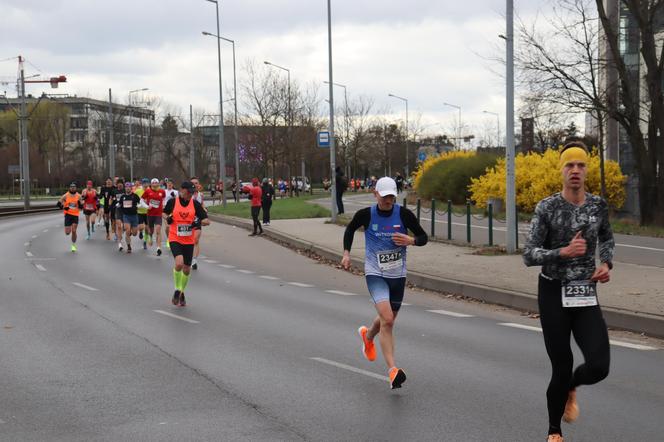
256	196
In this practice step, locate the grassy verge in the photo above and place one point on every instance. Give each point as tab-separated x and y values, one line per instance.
287	208
627	227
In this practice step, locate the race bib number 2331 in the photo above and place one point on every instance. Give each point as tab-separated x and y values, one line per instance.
579	294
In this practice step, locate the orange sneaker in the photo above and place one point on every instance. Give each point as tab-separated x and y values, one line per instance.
397	377
368	347
571	408
555	438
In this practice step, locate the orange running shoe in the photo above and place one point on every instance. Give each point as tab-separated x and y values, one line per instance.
397	377
555	438
368	347
571	408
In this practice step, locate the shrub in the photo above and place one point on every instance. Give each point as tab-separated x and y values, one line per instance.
538	176
447	177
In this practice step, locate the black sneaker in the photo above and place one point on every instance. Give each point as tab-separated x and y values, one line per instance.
183	302
128	248
176	297
158	252
194	265
145	245
140	235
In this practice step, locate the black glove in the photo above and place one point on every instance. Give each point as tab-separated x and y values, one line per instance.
196	224
59	205
169	220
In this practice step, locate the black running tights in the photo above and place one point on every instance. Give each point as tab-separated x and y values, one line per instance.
255	211
590	333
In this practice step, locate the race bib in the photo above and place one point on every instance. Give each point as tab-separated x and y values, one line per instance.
579	294
72	205
127	204
155	204
89	207
184	230
390	260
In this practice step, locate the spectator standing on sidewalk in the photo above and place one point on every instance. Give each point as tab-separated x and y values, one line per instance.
399	181
266	200
342	185
256	200
234	190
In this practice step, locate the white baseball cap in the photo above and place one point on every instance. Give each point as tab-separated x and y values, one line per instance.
154	181
386	186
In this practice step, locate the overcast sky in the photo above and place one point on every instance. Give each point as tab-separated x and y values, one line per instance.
425	50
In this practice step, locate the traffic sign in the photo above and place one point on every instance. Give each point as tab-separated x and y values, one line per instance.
323	138
13	169
422	156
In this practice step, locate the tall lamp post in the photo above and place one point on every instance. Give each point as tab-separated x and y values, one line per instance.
405	100
131	144
497	125
290	117
237	140
331	86
510	203
222	147
459	127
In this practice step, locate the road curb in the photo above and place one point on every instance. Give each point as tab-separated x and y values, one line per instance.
615	318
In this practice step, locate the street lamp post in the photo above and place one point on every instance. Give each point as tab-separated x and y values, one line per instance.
510	203
290	117
459	127
237	141
497	125
348	171
405	100
222	148
331	86
131	144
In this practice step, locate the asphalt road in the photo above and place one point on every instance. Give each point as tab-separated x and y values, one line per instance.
267	350
639	250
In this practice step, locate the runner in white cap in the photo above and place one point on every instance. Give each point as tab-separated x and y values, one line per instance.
386	226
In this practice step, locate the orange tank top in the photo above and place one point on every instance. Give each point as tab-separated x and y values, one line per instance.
71	204
183	216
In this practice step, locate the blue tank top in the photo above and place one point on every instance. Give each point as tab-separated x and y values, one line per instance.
382	256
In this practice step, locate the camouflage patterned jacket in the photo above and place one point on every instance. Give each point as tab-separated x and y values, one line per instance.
553	226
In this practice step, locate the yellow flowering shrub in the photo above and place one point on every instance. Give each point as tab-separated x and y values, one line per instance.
538	176
433	160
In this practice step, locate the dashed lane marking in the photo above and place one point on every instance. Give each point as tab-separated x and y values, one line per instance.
300	284
26	244
34	236
351	368
86	287
40	267
171	315
29	254
226	266
271	278
341	292
453	314
611	341
45	230
210	261
246	272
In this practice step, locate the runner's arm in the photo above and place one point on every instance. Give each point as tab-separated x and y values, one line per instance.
411	223
201	214
362	218
534	252
605	237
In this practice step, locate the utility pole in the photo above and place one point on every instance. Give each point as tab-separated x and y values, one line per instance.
192	150
510	203
25	153
111	144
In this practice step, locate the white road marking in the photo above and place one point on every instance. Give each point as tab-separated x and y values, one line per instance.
202	256
246	272
29	254
40	267
26	244
86	287
640	247
45	230
521	326
210	261
271	278
453	314
351	368
300	284
630	345
34	236
342	293
181	318
611	341
226	266
405	304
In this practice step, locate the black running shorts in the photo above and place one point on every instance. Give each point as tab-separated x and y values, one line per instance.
142	218
184	250
70	219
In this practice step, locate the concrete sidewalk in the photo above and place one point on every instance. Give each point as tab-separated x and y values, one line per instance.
634	299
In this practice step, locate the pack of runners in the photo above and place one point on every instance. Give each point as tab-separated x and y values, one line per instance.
565	232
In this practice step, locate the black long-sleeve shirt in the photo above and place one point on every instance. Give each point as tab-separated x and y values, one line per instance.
553	227
362	218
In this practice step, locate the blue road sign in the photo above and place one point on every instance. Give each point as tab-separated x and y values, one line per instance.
323	138
422	156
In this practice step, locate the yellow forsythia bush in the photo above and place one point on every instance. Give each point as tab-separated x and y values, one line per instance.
433	160
538	176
